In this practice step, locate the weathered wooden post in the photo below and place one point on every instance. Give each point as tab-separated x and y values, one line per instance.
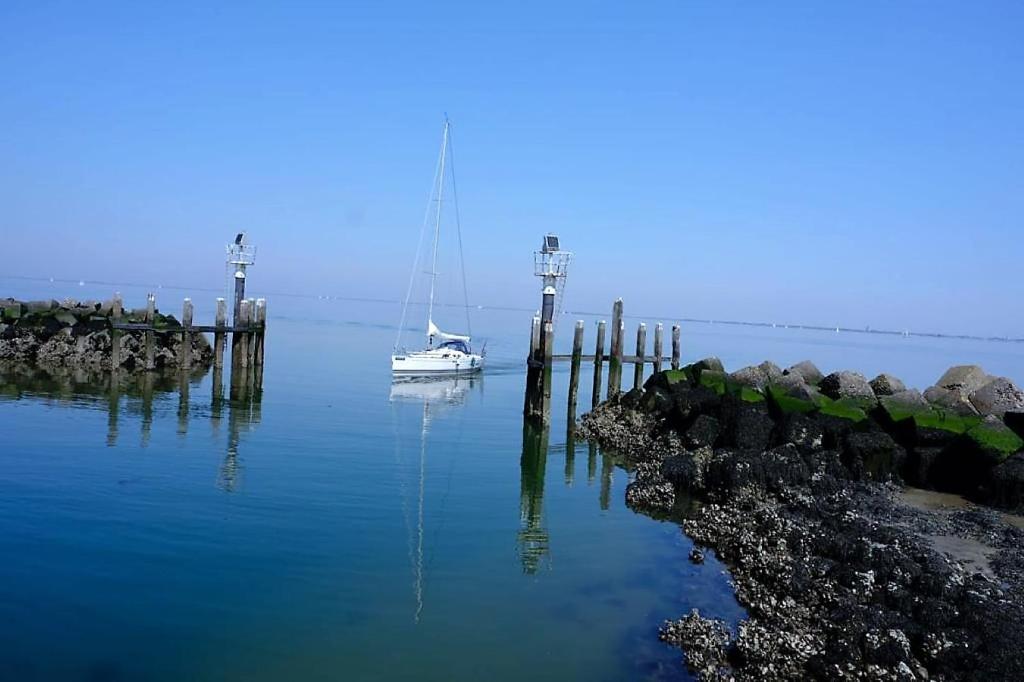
615	361
641	349
675	346
261	328
658	329
531	402
186	334
251	334
218	336
239	340
598	365
116	311
150	335
547	343
574	373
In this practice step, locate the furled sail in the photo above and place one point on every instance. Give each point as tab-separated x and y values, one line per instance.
434	332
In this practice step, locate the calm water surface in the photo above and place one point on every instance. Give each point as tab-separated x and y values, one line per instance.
345	527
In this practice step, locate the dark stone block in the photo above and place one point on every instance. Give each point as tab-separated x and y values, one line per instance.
1007	483
873	455
919	468
801	430
691	401
747	426
704	431
1015	420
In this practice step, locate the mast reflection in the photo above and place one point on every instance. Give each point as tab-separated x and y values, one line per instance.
433	395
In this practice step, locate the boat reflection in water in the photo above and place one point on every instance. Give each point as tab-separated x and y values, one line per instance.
145	396
431	396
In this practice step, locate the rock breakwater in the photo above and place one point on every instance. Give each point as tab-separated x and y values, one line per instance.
799	475
73	333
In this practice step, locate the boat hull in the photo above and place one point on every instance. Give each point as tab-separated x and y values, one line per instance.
436	363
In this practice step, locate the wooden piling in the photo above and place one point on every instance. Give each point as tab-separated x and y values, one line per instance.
675	346
186	334
547	346
116	311
150	335
218	336
658	330
250	334
261	328
534	376
239	340
574	373
598	365
615	362
641	348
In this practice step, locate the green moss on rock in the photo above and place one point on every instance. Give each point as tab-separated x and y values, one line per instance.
996	438
788	404
844	408
675	376
751	395
944	421
715	380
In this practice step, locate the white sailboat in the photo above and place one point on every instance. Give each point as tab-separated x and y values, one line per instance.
445	353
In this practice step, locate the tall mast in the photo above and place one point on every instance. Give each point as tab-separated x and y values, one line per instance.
437	231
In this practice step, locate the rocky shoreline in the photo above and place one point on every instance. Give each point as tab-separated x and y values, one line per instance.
77	334
799	478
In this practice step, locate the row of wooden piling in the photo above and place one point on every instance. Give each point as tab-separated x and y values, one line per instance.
541	359
248	333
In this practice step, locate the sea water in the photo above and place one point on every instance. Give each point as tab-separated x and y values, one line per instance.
342	526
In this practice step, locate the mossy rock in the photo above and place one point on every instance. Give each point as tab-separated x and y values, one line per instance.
944	421
161	321
785	403
668	380
901	410
12	312
751	395
995	439
844	408
675	376
715	380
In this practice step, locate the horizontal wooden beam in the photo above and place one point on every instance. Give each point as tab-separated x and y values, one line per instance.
143	327
626	359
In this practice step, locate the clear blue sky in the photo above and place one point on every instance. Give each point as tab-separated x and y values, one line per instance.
822	162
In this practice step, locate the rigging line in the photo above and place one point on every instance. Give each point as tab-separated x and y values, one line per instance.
458	231
437	233
419	248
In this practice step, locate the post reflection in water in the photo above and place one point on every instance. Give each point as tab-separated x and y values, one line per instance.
143	395
432	395
534	541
